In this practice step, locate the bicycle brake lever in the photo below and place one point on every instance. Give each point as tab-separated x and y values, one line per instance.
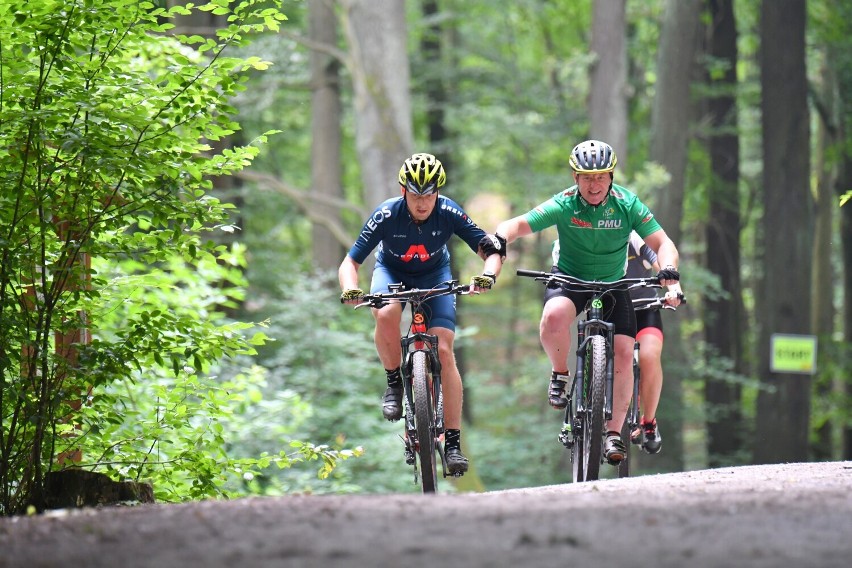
372	303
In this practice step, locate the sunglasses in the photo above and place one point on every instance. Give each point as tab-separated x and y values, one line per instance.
427	189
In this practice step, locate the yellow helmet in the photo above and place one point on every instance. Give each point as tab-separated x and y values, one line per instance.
592	156
422	174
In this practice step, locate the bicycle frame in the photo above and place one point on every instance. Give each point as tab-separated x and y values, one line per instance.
584	421
418	340
421	379
591	397
632	420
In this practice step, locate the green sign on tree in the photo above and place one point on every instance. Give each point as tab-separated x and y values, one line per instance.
793	353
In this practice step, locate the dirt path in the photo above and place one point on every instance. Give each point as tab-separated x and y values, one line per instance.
761	516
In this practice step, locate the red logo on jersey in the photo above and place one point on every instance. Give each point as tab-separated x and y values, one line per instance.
581	223
416	251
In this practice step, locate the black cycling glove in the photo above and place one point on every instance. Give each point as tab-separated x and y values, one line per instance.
493	244
668	273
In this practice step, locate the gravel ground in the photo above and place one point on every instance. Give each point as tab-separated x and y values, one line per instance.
759	516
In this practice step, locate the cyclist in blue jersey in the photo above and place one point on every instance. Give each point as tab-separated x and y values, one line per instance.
409	234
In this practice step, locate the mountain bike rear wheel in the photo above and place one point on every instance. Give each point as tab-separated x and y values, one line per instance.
623	468
424	418
593	417
632	419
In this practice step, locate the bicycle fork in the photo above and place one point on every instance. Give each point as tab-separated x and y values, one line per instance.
573	423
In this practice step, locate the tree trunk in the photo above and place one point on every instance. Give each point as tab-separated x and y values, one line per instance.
844	182
436	104
783	403
823	277
841	62
724	321
377	36
672	109
670	128
846	240
326	118
608	98
226	188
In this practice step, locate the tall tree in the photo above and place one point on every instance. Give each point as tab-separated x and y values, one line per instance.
844	183
435	86
823	279
723	326
783	404
326	134
673	107
377	36
841	61
608	91
670	120
830	35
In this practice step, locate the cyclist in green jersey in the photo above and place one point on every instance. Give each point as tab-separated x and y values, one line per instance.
593	219
641	263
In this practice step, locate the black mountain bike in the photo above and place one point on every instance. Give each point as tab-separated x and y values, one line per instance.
590	393
632	420
423	403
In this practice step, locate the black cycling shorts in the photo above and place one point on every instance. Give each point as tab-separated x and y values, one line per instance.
649	318
617	306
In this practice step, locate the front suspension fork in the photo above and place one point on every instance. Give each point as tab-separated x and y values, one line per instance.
421	340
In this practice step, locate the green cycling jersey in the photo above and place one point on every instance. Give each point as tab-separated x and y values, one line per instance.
593	239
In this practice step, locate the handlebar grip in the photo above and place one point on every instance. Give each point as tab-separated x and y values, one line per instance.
531	273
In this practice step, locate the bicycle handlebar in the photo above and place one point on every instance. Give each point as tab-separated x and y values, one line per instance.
655	303
598	286
594	285
398	294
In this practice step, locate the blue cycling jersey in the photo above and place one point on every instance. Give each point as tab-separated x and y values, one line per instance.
409	248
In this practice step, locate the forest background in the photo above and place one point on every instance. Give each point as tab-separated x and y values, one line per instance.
189	331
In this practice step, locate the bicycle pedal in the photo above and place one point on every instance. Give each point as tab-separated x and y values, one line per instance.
408	450
567	438
409	457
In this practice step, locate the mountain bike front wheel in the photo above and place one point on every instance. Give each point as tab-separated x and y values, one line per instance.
593	417
424	418
578	446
